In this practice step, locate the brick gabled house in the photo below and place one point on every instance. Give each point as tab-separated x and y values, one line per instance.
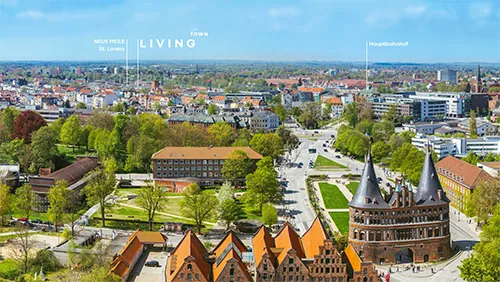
228	265
189	261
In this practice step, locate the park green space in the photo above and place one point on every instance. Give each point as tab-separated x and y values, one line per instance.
352	186
341	220
332	196
326	162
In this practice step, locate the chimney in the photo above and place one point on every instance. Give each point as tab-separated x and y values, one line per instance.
44	171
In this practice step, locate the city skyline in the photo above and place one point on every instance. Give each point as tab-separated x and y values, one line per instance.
315	30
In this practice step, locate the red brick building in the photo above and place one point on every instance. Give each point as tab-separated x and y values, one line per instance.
407	227
201	164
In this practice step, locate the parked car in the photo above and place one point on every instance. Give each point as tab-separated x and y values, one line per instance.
388	184
324	145
47	222
152	263
316	132
325	150
337	156
22	219
333	136
37	221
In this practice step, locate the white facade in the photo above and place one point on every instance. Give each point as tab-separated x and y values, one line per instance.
264	120
454	101
458	146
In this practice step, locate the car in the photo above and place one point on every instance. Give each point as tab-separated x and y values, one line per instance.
337	156
332	136
152	263
300	163
316	132
324	145
325	150
326	141
379	179
37	221
22	219
47	222
388	184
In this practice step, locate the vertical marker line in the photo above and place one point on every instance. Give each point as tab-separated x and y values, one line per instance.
366	67
126	61
137	81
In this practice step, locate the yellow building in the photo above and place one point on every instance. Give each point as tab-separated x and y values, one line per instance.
459	179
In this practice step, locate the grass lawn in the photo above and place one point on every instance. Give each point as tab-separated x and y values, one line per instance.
352	186
128	191
326	162
332	196
70	155
248	212
34	215
341	219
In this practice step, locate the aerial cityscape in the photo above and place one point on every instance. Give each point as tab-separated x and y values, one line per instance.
235	141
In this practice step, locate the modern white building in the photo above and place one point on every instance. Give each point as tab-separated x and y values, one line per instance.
483	127
458	104
458	146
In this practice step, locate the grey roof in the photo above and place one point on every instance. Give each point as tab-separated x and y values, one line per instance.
368	193
429	186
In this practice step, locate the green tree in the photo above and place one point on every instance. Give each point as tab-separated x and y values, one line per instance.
226	192
471	158
295	112
365	126
24	200
58	200
57	126
327	110
221	134
81	105
350	114
281	112
472	125
140	149
228	212
43	148
212	109
485	197
268	144
72	132
118	107
269	215
152	199
380	150
5	201
288	138
103	120
236	166
483	265
100	186
9	115
131	111
310	115
244	137
392	113
382	131
262	188
198	206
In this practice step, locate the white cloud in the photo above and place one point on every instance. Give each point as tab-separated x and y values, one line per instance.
415	10
61	16
288	11
480	12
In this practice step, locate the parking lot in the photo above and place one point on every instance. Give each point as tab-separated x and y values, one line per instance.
143	273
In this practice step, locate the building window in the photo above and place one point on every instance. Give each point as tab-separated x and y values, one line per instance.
290	260
181	161
188	161
204	161
210	168
176	161
210	161
204	174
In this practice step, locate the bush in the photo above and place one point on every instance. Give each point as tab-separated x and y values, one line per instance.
46	259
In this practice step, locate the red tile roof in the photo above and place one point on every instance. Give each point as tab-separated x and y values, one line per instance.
461	171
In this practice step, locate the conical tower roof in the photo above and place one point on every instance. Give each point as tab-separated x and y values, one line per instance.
368	193
429	186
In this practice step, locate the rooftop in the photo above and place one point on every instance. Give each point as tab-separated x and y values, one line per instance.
196	153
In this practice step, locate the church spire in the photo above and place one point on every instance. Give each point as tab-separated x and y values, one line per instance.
368	193
479	87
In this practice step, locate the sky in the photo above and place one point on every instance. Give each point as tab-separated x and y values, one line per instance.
278	30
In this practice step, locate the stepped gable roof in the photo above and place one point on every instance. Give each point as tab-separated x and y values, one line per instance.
263	244
189	247
429	185
314	237
368	194
229	251
288	239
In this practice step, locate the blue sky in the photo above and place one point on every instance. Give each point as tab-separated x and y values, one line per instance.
327	30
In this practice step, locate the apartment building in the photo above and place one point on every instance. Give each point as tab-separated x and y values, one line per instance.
459	179
201	163
265	120
419	109
458	104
